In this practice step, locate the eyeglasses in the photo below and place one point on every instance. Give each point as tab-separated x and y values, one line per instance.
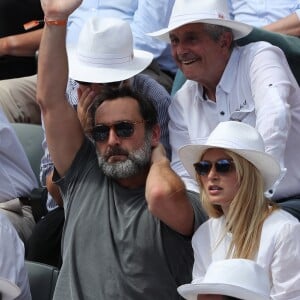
222	166
123	129
116	84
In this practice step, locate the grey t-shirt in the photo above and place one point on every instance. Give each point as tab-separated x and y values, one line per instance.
113	247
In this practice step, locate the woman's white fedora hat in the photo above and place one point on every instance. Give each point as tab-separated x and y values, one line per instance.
104	52
240	138
8	290
205	11
239	278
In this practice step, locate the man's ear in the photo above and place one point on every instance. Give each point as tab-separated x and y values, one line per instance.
155	135
226	40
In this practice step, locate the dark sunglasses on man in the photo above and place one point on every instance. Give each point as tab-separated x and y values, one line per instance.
123	129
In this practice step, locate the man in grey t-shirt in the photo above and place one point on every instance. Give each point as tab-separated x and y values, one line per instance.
129	218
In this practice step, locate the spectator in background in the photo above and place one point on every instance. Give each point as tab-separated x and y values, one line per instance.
17	46
276	22
12	265
233	171
17	96
276	16
17	181
252	84
230	279
8	290
18	58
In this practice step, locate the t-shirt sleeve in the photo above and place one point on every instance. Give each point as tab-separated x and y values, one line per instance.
199	214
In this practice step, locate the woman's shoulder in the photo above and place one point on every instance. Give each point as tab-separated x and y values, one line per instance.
279	221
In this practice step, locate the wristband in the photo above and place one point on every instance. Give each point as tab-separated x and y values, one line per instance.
55	22
35	23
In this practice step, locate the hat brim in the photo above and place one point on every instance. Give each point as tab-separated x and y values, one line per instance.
8	289
239	29
96	73
190	291
265	163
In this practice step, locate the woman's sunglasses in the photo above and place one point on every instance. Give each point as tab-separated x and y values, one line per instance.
221	166
123	129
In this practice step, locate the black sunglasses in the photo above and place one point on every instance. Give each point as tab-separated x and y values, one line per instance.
123	129
222	166
116	84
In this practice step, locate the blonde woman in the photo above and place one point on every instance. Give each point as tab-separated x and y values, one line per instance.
233	172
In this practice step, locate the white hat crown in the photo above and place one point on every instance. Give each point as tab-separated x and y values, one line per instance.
204	11
228	135
104	52
236	277
191	9
97	43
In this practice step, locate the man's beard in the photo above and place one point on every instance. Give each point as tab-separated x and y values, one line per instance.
137	160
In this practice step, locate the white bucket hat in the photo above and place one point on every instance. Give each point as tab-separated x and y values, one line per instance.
104	52
205	11
239	278
240	138
8	290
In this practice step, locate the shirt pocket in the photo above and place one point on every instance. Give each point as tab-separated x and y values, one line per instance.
245	114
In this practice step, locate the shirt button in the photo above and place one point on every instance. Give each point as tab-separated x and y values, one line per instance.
222	113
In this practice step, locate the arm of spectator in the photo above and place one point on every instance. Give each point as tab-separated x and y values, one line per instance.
289	25
24	44
64	133
54	190
166	195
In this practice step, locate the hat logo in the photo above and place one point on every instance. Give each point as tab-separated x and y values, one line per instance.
221	16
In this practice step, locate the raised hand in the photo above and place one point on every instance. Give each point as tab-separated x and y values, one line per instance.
59	9
85	99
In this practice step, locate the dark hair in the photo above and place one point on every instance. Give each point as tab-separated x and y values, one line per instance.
146	107
217	31
231	298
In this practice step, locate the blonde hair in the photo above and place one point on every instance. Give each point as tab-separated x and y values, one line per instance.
247	211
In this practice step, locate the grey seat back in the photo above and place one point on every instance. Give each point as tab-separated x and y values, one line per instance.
42	280
31	137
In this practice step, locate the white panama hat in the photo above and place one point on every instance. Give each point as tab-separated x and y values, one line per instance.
8	290
205	11
239	278
239	138
104	52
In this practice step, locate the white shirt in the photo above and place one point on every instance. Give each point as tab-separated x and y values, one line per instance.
278	252
12	258
16	176
258	88
262	12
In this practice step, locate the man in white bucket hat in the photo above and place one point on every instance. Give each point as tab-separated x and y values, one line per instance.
251	84
104	55
129	218
233	171
236	278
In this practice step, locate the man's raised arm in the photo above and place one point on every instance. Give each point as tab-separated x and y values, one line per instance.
63	130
